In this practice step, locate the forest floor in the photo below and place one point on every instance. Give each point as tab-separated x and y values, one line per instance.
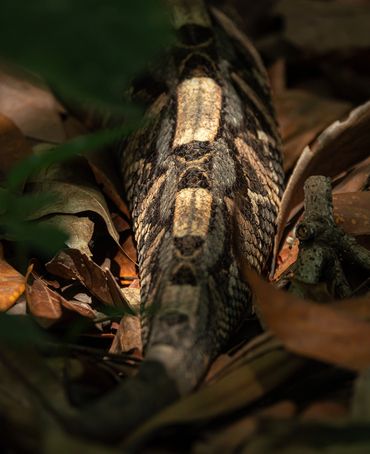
299	384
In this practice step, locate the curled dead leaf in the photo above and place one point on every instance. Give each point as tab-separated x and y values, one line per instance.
72	264
314	330
47	305
74	190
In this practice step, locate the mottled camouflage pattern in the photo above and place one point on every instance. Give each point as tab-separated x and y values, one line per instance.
212	142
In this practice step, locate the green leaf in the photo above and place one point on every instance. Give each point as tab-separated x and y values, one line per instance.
20	330
4	200
21	207
45	239
87	49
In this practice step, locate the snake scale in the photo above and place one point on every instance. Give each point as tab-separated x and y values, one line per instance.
209	157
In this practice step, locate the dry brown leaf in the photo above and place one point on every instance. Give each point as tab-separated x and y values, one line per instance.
47	305
128	337
359	307
352	212
75	192
73	128
239	388
301	116
355	179
106	175
12	285
43	302
324	410
287	256
314	330
74	265
79	229
31	106
277	78
80	308
230	361
126	260
120	223
229	439
13	146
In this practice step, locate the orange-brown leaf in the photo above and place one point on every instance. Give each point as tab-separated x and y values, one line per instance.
127	261
315	330
72	264
287	256
13	145
43	302
352	212
12	285
325	410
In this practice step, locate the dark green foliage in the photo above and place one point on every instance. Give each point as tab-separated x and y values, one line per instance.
88	51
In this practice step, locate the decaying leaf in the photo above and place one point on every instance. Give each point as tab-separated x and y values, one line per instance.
314	330
230	361
102	165
47	305
79	230
352	212
126	259
231	438
13	145
355	179
73	127
31	106
128	337
287	257
72	264
239	388
301	116
74	191
12	285
43	302
324	410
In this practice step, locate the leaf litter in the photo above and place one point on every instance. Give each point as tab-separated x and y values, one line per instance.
247	401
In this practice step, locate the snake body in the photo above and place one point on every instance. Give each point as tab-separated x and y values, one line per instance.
214	139
209	157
